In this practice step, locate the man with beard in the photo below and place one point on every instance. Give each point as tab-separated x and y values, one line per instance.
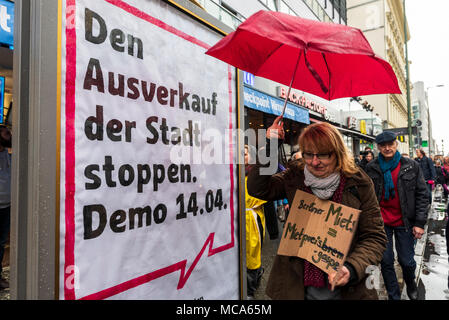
5	195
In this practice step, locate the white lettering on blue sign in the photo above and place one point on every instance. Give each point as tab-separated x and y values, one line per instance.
248	78
6	22
4	18
262	102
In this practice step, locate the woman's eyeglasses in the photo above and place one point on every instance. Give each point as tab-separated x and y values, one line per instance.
320	156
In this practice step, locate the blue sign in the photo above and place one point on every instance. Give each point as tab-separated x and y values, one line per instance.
2	97
248	78
262	102
6	22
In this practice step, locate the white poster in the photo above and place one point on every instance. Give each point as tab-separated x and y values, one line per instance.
148	173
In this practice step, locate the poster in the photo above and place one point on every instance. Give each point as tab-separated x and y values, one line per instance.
148	190
319	231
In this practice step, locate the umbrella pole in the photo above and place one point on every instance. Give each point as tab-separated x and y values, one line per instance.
291	83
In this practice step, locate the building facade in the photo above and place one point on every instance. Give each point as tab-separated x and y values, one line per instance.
382	23
421	117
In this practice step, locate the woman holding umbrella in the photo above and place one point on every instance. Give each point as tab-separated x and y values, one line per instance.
328	171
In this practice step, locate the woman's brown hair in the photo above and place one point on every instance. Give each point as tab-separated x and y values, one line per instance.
325	138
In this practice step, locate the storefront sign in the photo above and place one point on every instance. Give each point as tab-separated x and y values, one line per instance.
328	116
363	127
248	78
301	100
145	213
6	22
262	102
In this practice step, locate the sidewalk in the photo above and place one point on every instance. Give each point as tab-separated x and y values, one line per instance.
4	294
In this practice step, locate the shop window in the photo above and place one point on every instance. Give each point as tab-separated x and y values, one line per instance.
256	120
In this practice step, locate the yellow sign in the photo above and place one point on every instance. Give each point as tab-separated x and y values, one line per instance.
363	126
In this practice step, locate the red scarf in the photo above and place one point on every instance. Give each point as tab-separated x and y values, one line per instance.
314	276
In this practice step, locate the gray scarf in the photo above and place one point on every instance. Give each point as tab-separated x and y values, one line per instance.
323	188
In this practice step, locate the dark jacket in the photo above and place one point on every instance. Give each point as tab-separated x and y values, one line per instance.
286	279
413	193
427	167
363	163
442	175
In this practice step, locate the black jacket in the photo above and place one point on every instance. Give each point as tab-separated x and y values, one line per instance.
428	168
442	175
412	189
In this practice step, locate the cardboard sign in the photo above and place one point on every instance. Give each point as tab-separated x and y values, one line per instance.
319	231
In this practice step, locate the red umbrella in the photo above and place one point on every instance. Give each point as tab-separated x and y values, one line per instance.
325	59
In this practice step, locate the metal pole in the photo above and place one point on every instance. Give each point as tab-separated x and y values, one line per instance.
291	83
409	120
429	136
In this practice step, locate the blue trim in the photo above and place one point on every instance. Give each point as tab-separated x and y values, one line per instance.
6	22
266	103
2	97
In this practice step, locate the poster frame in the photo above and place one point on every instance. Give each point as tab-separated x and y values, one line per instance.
195	13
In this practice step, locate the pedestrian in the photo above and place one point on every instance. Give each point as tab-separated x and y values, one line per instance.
446	163
367	158
402	194
5	196
428	170
447	237
442	177
255	230
327	170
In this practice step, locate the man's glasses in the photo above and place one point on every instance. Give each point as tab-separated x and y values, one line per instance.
320	156
386	144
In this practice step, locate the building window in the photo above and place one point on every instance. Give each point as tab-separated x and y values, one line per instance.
340	6
223	12
319	12
286	9
270	4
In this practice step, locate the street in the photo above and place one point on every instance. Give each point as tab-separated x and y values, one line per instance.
434	277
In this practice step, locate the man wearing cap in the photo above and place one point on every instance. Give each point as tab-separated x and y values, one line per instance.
402	194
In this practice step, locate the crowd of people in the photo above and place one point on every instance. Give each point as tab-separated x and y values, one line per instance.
392	191
435	168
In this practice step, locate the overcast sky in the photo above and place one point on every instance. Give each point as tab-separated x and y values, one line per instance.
428	50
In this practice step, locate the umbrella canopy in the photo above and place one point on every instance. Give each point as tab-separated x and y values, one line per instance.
325	59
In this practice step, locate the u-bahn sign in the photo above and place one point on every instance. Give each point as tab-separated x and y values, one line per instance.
148	190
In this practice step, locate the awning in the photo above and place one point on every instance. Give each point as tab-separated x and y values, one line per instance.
356	134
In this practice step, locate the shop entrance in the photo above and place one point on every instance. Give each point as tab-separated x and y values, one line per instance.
257	120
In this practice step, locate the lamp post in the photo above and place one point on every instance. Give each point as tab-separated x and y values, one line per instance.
407	83
429	138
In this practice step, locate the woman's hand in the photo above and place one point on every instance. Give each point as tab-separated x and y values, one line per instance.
276	130
341	278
